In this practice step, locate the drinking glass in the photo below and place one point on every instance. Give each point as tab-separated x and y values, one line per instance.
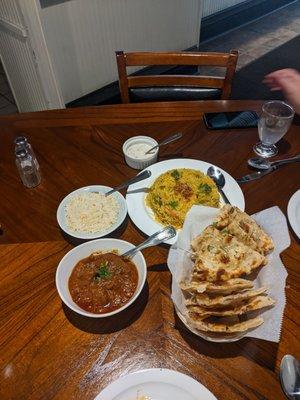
274	122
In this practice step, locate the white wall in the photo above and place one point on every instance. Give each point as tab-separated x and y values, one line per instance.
83	35
213	6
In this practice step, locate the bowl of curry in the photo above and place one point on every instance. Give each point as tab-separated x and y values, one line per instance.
95	281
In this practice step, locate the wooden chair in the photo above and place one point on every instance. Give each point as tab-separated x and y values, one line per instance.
175	87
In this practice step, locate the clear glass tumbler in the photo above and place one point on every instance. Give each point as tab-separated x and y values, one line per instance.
274	122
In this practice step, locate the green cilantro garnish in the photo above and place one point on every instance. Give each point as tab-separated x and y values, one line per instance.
204	188
173	204
102	272
175	174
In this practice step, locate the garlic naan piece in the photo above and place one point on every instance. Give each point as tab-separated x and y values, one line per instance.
220	256
255	303
244	228
224	301
227	287
222	327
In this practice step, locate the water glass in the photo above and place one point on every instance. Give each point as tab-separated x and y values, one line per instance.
274	122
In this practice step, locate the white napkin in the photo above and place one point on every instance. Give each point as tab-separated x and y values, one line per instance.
273	275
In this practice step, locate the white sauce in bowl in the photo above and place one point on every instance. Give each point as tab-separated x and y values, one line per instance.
138	150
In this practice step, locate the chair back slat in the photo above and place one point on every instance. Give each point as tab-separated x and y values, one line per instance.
225	60
190	58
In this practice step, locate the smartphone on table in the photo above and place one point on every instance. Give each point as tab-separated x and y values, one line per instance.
231	120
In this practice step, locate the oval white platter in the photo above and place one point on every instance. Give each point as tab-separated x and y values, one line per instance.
142	216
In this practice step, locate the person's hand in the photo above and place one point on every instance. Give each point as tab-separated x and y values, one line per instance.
287	80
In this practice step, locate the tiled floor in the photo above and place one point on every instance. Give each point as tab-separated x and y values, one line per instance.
252	40
261	36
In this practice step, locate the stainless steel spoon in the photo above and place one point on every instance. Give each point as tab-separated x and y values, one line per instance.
216	175
167	233
143	175
166	141
262	163
290	377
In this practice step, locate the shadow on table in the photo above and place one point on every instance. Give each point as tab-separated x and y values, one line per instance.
283	147
158	267
110	324
261	352
115	234
292	233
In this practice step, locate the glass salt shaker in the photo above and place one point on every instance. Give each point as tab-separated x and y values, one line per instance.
29	172
21	142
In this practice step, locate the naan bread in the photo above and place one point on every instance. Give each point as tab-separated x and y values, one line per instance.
244	228
228	287
253	304
206	326
224	301
216	297
220	256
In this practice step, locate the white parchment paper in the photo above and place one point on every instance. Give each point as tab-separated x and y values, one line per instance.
273	275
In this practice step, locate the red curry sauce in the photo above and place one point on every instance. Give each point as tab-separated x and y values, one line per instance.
102	283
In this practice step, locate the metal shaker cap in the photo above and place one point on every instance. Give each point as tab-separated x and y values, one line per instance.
20	140
21	153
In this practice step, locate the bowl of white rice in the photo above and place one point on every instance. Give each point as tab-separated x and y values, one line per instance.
87	213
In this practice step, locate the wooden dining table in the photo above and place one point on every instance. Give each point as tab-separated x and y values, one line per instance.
49	352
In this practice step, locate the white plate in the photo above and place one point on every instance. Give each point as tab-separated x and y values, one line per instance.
157	384
61	212
293	212
140	214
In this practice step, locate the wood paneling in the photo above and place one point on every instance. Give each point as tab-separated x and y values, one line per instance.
49	352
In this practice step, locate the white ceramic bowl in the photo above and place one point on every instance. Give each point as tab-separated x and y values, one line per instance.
142	162
61	212
68	262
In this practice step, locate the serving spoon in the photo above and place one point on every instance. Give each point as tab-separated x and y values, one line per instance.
166	141
167	233
217	176
262	163
290	377
143	175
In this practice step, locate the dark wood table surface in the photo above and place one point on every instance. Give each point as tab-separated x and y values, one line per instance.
49	352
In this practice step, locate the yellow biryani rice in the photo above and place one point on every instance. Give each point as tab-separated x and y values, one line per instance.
176	191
